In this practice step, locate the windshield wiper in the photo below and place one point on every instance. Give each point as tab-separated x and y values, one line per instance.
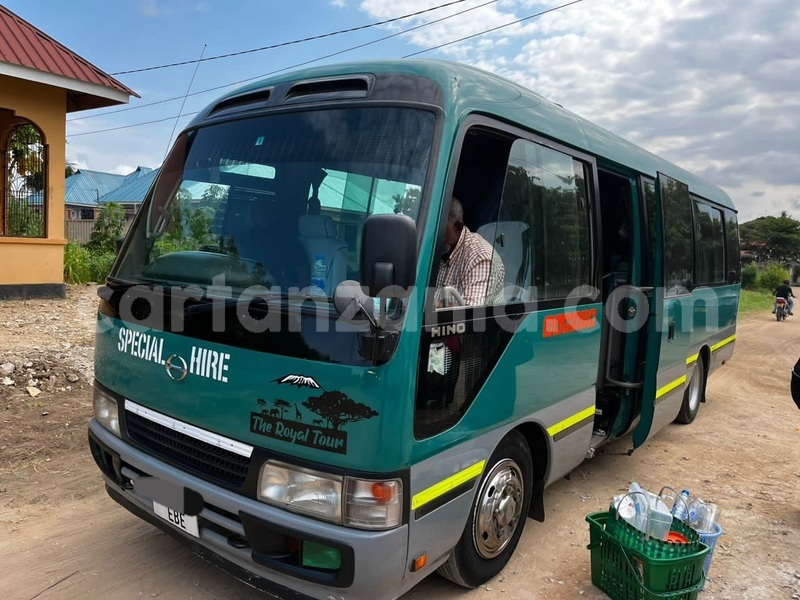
197	306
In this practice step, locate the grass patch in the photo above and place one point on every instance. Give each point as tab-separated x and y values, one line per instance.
755	301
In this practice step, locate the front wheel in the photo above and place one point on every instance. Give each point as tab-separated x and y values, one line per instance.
497	517
695	393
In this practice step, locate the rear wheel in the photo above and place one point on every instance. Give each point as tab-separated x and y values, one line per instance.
695	393
497	518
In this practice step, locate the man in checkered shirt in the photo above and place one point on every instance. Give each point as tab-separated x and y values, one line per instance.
469	264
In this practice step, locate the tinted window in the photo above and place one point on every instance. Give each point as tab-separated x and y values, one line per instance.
710	244
649	187
734	258
678	239
542	231
263	200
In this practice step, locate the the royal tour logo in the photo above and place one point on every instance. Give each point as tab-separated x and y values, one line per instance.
309	415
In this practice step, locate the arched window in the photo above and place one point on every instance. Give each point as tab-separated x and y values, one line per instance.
24	190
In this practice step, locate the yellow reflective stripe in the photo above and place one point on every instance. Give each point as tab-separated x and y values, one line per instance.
446	485
716	346
570	421
724	342
671	386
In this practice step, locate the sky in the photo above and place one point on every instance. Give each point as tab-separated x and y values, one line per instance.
711	85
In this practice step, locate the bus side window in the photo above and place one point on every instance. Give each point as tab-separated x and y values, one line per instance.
710	243
479	187
732	251
542	231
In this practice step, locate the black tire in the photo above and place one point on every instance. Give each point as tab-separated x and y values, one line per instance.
695	393
478	556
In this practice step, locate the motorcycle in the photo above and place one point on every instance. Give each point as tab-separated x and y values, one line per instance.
781	309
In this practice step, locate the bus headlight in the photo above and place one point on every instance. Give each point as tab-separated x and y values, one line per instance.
373	504
301	490
365	504
106	411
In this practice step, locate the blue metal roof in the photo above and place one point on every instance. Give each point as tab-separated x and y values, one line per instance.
139	172
133	189
85	188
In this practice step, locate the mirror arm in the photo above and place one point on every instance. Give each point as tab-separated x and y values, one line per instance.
373	323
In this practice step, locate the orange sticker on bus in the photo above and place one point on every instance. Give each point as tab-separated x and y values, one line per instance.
569	322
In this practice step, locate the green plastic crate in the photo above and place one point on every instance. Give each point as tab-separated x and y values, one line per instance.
643	570
632	538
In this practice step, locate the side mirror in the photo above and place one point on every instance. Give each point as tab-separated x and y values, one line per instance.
388	255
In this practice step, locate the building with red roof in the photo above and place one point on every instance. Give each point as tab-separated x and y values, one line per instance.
41	80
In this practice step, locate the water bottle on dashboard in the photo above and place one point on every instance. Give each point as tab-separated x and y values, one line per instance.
318	274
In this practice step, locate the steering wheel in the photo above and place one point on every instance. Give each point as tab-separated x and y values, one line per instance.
451	297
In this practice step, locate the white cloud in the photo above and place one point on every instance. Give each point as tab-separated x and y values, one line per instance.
710	85
122	170
150	8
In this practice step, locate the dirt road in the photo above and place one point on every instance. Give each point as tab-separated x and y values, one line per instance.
62	537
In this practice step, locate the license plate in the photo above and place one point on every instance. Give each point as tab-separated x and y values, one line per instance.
187	523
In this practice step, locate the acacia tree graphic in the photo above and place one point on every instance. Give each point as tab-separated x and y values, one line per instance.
262	403
281	405
338	408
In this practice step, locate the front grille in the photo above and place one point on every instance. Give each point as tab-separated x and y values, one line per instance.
201	458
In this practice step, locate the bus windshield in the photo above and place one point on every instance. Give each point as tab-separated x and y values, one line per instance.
277	202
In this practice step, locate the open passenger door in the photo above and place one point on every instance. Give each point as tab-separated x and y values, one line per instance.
666	208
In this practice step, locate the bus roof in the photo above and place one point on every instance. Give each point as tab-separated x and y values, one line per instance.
469	90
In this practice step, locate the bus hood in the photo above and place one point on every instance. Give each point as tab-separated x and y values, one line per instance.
313	411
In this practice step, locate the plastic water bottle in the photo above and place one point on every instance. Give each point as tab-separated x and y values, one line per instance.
703	515
318	273
680	510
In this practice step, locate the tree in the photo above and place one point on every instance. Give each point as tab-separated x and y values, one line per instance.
338	408
190	220
24	209
108	228
772	239
27	154
212	197
408	203
281	405
24	220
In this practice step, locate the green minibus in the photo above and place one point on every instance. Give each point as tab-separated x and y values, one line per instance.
305	375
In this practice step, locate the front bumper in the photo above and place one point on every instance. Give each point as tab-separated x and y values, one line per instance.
373	566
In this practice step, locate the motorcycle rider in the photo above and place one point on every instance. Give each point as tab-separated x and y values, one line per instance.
784	291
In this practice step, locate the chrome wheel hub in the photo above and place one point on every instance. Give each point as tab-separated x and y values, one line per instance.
498	508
